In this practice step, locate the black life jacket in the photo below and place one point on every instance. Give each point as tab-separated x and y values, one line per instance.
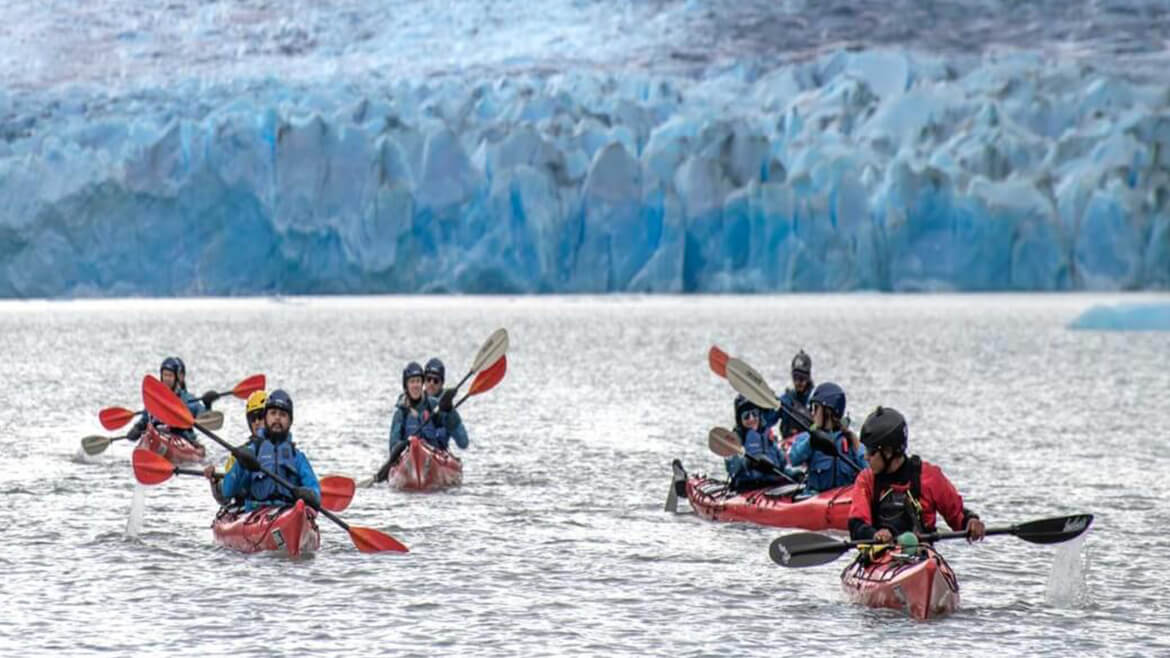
897	508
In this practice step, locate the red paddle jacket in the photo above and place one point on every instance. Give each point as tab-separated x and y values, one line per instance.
938	496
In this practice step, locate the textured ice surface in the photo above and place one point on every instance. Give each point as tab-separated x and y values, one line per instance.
229	148
1125	317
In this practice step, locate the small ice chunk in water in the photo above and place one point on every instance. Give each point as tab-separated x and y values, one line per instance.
1066	583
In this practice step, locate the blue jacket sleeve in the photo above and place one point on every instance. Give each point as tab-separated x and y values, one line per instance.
801	450
455	429
734	465
768	419
306	475
234	481
396	427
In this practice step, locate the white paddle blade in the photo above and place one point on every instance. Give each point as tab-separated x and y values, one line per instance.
723	442
492	350
95	445
749	383
212	420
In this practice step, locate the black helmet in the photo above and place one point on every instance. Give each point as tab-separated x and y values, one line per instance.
412	369
278	399
172	363
831	396
802	363
435	367
885	428
743	404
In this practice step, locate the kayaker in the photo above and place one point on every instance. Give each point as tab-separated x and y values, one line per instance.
254	417
796	399
899	494
418	414
758	442
434	374
275	450
173	373
826	472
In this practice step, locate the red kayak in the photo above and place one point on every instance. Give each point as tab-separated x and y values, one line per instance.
922	584
290	530
175	448
778	506
424	468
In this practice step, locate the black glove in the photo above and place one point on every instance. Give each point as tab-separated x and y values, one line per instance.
309	496
445	400
208	398
134	433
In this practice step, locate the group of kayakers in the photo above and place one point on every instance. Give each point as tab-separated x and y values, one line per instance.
421	410
893	493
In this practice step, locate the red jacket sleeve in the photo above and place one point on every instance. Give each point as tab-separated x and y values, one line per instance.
862	503
939	490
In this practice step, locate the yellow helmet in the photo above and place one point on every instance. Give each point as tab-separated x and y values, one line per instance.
255	402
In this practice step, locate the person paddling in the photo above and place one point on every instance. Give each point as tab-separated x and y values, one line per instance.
757	442
899	494
795	399
254	417
273	447
824	471
418	414
434	375
173	373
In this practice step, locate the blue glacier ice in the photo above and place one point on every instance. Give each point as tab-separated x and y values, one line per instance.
473	166
1125	317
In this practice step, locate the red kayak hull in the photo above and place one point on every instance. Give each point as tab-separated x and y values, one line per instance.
923	585
176	449
713	500
424	468
291	530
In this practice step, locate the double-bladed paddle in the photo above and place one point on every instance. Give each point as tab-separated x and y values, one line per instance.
113	418
807	549
162	403
725	443
151	468
96	444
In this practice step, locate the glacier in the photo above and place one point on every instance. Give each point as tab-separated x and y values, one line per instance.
879	168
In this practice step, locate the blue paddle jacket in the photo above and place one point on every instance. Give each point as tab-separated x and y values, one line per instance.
256	488
423	419
194	405
760	445
825	472
791	400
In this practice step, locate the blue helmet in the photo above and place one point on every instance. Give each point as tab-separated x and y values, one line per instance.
412	369
830	396
435	367
175	365
278	399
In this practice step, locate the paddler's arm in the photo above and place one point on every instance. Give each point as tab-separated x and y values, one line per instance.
310	489
860	515
396	427
455	429
949	504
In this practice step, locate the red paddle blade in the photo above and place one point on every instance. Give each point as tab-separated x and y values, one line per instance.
151	468
369	540
717	359
114	417
487	380
249	386
163	404
336	492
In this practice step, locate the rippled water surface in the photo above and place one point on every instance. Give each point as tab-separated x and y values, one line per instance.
557	541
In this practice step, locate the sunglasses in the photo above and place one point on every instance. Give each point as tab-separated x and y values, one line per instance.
748	415
431	379
799	377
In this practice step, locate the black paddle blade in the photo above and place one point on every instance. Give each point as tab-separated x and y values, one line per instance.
678	486
1054	531
805	549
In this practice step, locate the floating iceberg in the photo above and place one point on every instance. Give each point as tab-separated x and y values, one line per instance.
880	169
1125	317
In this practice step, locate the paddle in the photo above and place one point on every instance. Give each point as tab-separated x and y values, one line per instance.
678	486
151	468
96	444
717	359
749	383
807	549
491	351
162	403
724	443
242	390
113	418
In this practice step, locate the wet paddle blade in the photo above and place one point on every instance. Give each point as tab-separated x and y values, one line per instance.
487	380
212	420
163	404
95	445
678	486
495	347
723	442
151	468
249	386
805	549
1053	531
369	540
115	417
749	383
717	359
336	492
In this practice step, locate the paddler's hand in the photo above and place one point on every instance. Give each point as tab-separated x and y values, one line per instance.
445	400
883	536
208	398
209	473
975	530
309	496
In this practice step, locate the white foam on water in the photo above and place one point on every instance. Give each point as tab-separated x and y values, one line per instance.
1067	587
137	510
